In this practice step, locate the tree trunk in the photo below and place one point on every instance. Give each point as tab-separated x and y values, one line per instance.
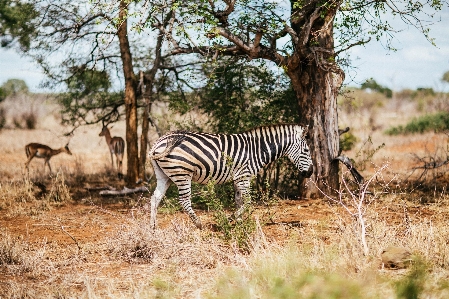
130	98
145	126
316	80
317	91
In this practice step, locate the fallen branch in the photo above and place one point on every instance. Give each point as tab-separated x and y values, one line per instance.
124	191
100	188
357	176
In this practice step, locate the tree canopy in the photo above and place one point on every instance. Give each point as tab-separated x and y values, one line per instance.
16	23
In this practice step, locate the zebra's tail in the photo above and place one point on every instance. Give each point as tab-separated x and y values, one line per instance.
172	141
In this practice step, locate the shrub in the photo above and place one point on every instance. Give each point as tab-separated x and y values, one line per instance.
347	141
59	191
10	250
239	232
30	120
2	118
412	285
436	122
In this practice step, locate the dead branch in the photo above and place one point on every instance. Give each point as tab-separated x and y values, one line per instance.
125	191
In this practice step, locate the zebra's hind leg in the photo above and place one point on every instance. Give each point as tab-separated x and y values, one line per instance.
242	196
184	184
163	182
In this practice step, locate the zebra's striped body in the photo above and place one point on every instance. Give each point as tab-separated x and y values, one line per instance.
183	157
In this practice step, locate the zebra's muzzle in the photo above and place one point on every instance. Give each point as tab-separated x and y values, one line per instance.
307	173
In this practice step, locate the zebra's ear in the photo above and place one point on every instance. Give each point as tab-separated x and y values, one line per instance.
305	132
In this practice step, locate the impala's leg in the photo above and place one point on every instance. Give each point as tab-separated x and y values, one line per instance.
112	160
47	162
119	166
27	163
241	187
163	182
184	184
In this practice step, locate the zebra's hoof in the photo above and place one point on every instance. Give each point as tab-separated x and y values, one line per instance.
199	225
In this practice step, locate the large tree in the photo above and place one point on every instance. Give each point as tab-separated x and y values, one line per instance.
306	38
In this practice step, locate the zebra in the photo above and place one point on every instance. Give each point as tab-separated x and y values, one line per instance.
182	157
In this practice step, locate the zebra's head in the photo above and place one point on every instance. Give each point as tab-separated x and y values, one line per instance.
299	152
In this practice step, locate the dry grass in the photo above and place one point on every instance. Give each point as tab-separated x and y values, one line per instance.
58	238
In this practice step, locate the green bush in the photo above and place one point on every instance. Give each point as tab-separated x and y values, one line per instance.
412	285
347	141
240	231
431	122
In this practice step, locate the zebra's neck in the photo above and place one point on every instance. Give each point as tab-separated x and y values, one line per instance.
269	143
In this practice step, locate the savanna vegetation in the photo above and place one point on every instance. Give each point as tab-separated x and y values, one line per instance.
146	68
61	238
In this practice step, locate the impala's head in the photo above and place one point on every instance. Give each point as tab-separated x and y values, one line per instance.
67	150
299	153
104	131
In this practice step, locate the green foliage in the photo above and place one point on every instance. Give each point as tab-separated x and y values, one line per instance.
241	231
424	91
347	141
412	285
86	81
2	118
88	100
14	86
284	275
431	122
15	22
2	94
445	77
240	96
373	85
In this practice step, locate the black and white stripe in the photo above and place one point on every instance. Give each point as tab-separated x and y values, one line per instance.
182	157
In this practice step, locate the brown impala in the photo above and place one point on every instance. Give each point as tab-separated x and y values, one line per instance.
116	146
43	151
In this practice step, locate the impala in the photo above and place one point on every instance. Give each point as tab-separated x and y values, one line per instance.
43	151
116	146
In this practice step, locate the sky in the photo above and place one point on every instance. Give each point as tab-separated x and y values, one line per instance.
416	63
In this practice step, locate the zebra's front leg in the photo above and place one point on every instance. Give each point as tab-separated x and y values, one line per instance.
242	196
185	190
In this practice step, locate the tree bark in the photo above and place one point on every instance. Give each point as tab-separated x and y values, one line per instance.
130	98
147	81
316	80
317	91
145	126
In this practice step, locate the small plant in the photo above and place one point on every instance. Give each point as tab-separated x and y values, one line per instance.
366	153
412	285
347	141
269	199
241	231
10	250
356	205
59	191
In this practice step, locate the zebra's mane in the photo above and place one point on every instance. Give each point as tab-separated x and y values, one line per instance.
183	132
